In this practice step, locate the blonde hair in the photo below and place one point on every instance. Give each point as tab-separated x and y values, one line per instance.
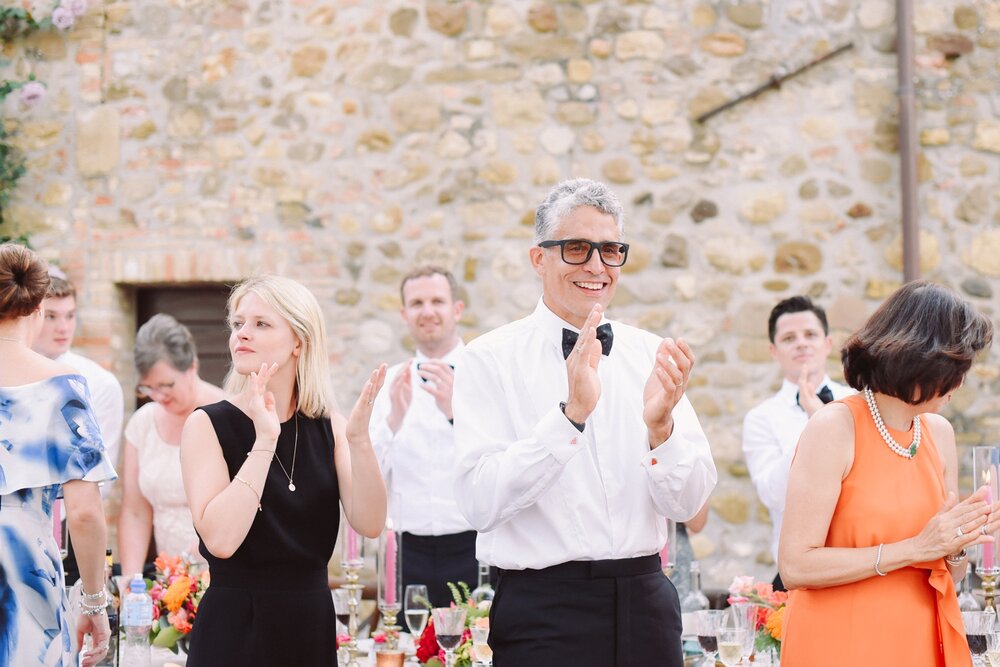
297	305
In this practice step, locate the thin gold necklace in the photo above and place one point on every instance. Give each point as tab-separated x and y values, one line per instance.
295	449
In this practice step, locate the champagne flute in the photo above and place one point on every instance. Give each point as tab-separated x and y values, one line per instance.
449	625
416	610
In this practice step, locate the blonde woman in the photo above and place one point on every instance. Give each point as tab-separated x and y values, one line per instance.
264	472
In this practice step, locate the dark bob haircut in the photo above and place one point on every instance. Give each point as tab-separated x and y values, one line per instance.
917	345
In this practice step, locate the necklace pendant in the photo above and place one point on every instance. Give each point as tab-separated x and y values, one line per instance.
913	450
291	486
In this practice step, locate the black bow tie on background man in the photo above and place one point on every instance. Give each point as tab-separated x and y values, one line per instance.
824	394
604	335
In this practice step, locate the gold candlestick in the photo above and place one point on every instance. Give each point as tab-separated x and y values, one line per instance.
989	579
353	573
389	615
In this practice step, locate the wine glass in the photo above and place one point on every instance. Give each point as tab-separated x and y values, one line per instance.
731	643
449	625
993	648
484	654
707	624
978	624
342	606
743	615
416	609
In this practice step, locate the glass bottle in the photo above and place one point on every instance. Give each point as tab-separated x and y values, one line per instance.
692	602
966	599
111	657
483	590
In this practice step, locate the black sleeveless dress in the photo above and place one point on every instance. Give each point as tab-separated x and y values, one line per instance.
269	604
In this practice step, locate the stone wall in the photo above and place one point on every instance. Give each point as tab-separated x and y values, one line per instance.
342	142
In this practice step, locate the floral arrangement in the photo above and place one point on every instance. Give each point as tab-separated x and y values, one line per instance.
176	593
428	650
770	610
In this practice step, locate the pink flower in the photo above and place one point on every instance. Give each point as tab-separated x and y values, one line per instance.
31	92
78	7
740	586
63	18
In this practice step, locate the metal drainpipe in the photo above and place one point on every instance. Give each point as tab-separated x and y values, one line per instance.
907	140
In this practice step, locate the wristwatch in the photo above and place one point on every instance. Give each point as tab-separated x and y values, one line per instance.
578	425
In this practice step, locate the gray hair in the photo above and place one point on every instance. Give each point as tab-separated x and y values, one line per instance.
567	196
163	338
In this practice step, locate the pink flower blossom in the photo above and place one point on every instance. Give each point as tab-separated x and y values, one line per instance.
63	18
78	7
740	586
32	92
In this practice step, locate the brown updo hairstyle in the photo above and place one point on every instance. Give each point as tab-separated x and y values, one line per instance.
917	345
24	281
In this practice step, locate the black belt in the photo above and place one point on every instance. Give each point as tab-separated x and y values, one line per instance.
594	569
452	539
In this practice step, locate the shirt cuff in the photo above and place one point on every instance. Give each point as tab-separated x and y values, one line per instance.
558	435
668	454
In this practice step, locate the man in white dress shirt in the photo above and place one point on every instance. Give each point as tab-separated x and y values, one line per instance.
574	442
54	341
413	436
800	345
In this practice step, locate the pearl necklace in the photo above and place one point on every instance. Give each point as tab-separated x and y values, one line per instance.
905	452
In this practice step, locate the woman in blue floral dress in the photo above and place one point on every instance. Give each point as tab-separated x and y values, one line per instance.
49	445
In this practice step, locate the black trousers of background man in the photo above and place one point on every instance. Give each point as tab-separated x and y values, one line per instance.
609	613
434	560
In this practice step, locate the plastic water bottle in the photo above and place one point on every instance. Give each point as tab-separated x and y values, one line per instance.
136	619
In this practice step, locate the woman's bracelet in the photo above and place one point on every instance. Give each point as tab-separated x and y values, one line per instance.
99	595
260	451
250	486
93	611
955	559
878	560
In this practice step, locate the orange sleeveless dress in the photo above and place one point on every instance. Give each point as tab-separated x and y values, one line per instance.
908	617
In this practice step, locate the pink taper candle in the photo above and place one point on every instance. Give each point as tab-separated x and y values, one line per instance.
390	567
988	547
352	544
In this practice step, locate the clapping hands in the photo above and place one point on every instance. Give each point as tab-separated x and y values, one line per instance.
666	385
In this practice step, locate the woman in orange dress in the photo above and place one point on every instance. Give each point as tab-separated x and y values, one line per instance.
874	537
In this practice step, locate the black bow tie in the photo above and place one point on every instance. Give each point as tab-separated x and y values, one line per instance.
824	394
604	335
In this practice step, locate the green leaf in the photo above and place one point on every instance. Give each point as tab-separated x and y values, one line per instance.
167	637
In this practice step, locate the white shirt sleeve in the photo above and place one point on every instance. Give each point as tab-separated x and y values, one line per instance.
766	461
497	474
109	406
682	472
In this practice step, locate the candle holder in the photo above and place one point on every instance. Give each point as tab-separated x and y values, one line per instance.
986	472
351	561
388	562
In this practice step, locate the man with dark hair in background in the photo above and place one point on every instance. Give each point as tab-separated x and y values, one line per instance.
800	345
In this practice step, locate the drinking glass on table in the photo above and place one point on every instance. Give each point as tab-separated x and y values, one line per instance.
731	645
978	624
484	654
449	625
416	609
707	624
743	615
993	648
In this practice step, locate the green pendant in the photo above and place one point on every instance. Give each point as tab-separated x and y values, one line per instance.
913	450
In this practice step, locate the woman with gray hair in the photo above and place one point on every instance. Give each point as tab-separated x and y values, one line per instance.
153	500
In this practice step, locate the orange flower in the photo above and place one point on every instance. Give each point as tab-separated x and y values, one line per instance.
164	562
180	621
177	593
775	621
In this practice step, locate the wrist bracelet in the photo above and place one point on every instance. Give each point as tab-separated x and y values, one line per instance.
93	611
250	486
95	596
260	451
955	559
878	560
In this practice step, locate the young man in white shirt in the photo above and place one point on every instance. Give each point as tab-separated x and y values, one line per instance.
54	341
413	436
571	453
800	345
